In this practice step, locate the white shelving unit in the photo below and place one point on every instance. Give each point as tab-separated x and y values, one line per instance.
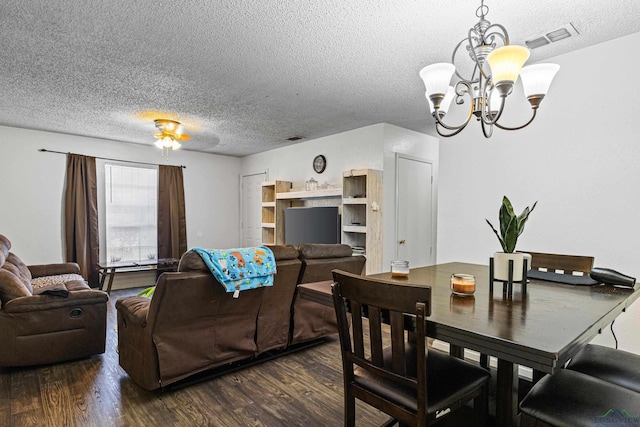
362	215
272	220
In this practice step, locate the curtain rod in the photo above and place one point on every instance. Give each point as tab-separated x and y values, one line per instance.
44	150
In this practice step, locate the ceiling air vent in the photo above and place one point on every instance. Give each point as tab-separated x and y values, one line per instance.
537	42
561	33
295	138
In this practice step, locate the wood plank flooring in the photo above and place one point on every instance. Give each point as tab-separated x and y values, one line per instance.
300	389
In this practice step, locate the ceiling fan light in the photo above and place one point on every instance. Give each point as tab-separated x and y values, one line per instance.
175	145
436	77
537	78
506	63
159	144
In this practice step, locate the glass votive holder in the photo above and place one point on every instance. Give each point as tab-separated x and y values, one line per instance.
399	268
463	284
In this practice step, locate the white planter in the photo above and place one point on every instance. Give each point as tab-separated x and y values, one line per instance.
501	265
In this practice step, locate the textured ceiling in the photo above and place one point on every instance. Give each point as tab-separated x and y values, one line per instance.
245	75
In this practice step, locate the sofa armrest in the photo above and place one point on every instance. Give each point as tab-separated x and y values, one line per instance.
48	302
54	269
134	310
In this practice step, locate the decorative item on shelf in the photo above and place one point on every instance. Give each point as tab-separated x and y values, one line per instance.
170	132
487	89
311	185
400	268
509	266
358	250
463	284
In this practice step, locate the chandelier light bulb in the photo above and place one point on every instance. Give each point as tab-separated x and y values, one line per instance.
537	78
436	78
446	101
506	63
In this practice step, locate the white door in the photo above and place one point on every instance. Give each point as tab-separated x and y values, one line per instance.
414	211
251	205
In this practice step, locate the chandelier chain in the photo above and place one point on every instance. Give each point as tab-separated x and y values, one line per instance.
482	11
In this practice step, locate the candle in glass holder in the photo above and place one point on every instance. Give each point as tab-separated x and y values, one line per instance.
400	268
463	284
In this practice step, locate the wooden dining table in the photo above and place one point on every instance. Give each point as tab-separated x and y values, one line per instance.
541	329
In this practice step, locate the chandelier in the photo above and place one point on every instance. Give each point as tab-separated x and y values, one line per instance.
170	132
487	89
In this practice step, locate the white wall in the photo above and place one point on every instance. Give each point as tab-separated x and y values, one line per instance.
579	159
31	213
356	149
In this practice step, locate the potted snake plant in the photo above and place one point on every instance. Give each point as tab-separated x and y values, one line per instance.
511	227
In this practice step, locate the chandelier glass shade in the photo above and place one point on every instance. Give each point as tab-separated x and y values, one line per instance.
495	71
168	135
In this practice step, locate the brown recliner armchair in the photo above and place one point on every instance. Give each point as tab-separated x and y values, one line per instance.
49	314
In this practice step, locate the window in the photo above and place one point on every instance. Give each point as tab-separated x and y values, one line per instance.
131	200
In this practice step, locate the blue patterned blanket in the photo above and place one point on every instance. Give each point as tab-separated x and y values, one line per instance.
240	269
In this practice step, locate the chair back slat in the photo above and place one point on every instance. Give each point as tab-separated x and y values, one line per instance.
568	264
375	335
397	343
358	342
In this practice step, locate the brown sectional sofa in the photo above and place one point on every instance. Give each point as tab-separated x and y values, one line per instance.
58	319
191	324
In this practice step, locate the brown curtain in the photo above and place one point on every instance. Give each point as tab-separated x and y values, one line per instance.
172	224
81	216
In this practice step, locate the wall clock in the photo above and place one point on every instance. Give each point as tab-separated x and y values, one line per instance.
319	163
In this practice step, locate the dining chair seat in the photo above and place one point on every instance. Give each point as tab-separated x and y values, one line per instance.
573	399
608	364
449	381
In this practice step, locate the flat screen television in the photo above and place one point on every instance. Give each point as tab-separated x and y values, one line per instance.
317	224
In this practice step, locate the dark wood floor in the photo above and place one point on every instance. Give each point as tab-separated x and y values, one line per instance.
301	389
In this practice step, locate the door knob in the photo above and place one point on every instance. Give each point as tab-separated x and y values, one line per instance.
402	242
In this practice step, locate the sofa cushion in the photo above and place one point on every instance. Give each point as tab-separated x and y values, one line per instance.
324	250
15	279
191	261
54	281
5	245
282	252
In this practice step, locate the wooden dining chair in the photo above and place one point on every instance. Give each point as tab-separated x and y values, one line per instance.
411	383
568	264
